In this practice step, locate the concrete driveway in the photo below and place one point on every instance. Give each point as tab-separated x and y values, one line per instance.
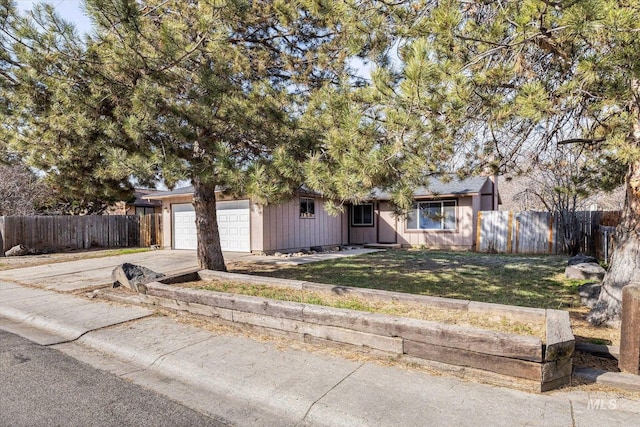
71	276
95	272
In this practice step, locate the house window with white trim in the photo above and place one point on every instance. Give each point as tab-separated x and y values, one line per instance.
440	215
307	208
362	215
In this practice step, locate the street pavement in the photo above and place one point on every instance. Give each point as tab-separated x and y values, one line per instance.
43	387
251	382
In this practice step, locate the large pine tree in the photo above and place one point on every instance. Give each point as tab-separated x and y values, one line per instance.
495	84
216	92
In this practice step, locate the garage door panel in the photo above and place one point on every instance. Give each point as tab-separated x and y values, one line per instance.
233	226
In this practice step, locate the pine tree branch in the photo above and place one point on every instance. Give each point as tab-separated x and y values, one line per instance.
581	141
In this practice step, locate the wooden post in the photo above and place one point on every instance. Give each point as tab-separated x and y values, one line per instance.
629	330
550	233
2	250
510	233
478	231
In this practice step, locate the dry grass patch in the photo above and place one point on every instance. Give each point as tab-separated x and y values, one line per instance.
393	308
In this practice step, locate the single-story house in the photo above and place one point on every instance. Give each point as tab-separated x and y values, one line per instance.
444	216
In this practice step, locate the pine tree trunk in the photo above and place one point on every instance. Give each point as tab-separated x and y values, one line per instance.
209	249
625	263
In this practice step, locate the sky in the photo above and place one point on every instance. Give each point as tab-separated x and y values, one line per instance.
70	10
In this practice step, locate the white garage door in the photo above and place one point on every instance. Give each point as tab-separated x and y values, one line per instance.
233	224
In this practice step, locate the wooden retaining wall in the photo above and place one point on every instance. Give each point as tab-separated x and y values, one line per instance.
549	364
80	232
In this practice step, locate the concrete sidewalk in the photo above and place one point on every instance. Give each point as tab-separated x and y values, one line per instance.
260	383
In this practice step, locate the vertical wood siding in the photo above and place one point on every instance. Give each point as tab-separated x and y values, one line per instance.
284	230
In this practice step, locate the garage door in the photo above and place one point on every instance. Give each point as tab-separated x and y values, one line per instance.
233	224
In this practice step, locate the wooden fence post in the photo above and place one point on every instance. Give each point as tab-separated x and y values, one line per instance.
550	233
478	231
510	233
629	330
2	233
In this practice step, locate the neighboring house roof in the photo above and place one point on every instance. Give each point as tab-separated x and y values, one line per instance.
142	200
437	187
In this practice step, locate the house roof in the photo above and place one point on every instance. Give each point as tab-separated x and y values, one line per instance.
438	187
184	191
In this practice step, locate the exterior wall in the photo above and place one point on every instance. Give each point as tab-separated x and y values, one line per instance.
462	238
284	230
167	224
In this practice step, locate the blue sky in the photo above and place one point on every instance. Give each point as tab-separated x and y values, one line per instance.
70	10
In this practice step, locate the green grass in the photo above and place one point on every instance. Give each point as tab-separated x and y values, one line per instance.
524	280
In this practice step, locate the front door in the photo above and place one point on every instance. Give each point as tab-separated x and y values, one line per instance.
387	223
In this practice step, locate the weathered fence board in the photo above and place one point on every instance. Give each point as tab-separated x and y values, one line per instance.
80	232
543	233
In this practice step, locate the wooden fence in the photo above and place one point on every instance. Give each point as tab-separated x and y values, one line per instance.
542	232
80	232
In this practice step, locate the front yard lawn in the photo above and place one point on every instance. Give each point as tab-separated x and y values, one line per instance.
524	280
531	280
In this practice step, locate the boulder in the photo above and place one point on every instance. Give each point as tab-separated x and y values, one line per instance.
316	249
582	259
133	276
585	271
17	250
589	294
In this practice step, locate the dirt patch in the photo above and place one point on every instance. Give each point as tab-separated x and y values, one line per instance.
394	308
9	263
586	332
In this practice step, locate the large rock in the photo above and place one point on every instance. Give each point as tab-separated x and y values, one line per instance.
133	276
585	271
589	294
582	259
17	250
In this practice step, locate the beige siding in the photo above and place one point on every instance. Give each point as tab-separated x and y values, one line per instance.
462	238
257	230
167	228
362	235
284	230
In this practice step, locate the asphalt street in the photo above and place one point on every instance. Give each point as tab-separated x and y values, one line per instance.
40	386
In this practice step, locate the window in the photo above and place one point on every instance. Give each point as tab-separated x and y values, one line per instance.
307	208
432	216
362	215
144	211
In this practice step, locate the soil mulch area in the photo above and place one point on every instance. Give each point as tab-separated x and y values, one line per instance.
588	360
416	311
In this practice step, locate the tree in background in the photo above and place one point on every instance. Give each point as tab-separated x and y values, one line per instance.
21	191
55	119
